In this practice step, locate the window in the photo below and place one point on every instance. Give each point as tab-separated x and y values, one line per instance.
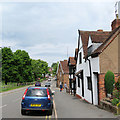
70	70
78	82
37	92
80	58
89	83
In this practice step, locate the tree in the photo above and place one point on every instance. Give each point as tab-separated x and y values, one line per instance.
7	56
22	66
54	67
0	65
109	81
39	68
18	67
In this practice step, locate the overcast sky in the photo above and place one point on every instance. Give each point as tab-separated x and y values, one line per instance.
47	30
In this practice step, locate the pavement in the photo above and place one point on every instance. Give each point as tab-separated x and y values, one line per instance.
68	106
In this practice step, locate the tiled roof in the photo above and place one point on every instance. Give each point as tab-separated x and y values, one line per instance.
72	60
100	48
64	65
96	37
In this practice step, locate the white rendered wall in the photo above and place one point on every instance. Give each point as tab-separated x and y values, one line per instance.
95	68
78	68
86	72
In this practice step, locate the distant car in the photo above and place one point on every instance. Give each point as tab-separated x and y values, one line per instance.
49	79
37	98
37	84
47	84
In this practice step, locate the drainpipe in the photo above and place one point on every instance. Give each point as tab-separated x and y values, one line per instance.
91	79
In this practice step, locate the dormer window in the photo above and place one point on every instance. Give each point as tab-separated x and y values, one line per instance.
89	50
80	58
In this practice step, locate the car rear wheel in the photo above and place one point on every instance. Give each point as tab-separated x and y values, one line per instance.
52	106
50	112
23	112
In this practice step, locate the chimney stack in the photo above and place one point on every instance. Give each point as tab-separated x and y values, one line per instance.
100	30
115	24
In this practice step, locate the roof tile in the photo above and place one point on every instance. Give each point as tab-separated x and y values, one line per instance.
96	37
65	66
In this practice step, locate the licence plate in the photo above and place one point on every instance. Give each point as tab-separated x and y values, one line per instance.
35	105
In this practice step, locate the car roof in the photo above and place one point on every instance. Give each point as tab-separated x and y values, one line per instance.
47	83
32	87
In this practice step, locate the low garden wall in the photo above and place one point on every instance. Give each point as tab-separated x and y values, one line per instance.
108	106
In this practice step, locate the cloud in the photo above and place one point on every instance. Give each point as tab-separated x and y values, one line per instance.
46	30
8	43
51	48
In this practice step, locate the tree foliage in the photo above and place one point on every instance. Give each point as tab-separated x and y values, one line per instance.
0	65
19	67
54	68
109	81
117	84
7	56
22	66
39	68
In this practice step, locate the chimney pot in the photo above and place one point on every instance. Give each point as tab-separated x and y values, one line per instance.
100	30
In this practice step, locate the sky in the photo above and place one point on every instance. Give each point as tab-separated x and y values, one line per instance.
49	30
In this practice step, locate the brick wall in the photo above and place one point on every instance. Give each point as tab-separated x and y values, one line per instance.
62	78
102	92
66	79
116	76
58	76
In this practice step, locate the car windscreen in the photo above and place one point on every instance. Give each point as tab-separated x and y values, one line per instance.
37	92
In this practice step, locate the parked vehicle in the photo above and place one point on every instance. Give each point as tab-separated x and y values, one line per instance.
49	79
37	84
47	84
37	98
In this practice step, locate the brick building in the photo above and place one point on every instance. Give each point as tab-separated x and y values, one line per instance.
109	56
98	52
63	73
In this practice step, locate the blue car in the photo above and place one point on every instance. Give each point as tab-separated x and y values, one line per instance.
37	98
37	84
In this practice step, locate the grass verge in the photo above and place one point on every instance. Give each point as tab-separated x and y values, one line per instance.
11	86
4	88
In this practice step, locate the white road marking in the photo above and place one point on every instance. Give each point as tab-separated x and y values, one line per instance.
3	106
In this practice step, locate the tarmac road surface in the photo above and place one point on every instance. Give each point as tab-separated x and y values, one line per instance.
11	105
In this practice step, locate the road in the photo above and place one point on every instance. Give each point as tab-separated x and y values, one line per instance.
11	105
65	106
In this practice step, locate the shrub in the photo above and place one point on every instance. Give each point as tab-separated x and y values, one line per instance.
109	81
117	84
118	105
116	94
115	101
